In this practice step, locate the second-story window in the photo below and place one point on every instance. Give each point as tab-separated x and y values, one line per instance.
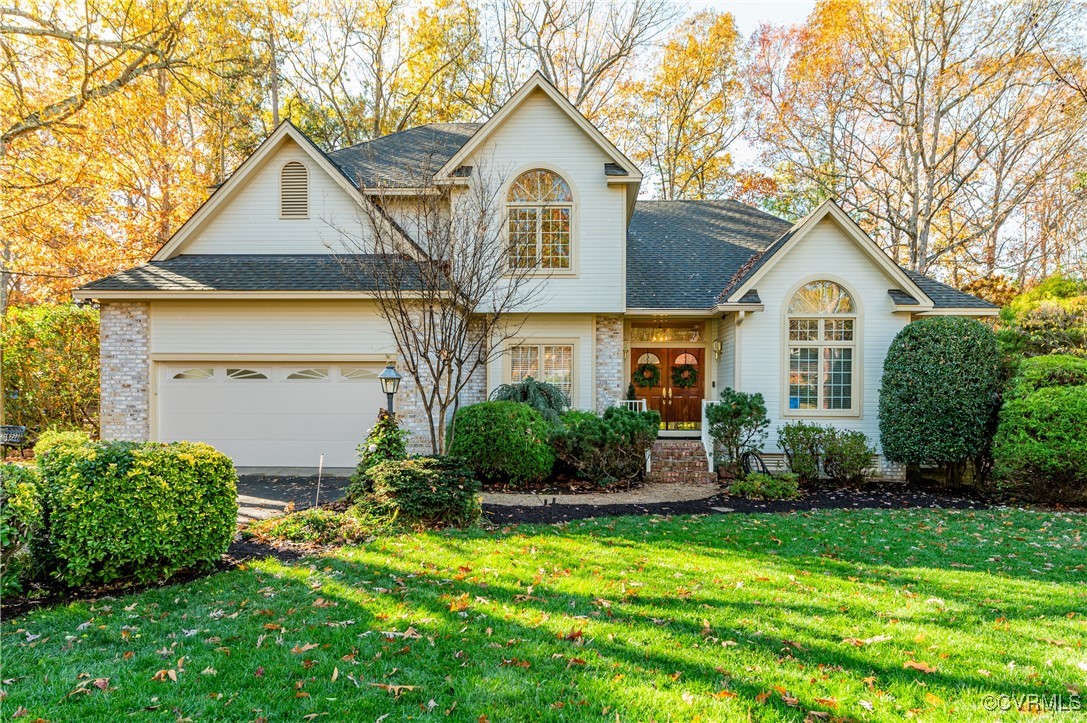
540	210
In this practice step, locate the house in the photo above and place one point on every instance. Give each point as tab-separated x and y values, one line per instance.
243	330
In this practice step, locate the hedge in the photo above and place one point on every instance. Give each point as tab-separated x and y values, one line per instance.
503	442
116	510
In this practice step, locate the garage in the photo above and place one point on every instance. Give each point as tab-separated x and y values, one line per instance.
270	415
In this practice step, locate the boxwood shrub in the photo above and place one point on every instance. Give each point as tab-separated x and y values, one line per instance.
847	455
802	444
608	448
115	510
423	491
940	388
503	442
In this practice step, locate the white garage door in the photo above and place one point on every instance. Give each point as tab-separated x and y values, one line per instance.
263	415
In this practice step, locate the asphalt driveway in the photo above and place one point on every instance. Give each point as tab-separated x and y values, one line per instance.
264	493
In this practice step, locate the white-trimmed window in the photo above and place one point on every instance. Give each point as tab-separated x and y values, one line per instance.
540	207
551	363
312	374
244	374
822	350
358	374
294	191
195	374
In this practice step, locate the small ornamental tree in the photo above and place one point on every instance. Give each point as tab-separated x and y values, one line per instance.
940	391
737	424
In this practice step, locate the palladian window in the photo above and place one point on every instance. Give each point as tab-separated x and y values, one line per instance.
822	346
540	208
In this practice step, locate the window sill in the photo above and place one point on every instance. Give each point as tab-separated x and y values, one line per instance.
821	413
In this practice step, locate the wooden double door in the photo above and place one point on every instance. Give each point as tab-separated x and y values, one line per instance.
675	392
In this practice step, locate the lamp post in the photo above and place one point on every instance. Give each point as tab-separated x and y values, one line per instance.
390	382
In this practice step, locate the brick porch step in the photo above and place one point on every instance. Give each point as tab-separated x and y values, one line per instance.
679	460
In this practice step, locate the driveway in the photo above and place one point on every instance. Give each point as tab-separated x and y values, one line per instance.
264	492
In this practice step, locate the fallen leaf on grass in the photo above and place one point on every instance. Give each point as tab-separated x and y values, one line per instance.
828	702
918	665
726	694
303	648
396	690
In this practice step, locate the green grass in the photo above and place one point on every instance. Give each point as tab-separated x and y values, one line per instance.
758	617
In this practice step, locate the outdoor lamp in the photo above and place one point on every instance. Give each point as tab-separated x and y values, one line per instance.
390	382
718	347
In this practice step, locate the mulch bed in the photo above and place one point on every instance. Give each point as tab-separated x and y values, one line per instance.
239	552
887	495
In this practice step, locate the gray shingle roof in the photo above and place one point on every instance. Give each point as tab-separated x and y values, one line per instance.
901	298
253	272
680	254
947	297
403	159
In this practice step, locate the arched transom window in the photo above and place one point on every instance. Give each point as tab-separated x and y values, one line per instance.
822	345
540	209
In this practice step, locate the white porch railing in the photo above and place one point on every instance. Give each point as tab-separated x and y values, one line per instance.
707	441
638	405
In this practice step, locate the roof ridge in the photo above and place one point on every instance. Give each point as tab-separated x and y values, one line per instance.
406	130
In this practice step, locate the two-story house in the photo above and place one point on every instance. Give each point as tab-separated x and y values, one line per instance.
243	332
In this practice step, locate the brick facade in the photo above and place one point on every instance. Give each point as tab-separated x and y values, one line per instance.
608	361
125	371
412	414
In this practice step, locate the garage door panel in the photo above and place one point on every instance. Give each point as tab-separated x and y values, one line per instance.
273	422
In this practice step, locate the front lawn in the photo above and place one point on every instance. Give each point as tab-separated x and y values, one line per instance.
868	615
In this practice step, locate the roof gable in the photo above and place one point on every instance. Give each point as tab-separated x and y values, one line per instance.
620	169
747	277
250	169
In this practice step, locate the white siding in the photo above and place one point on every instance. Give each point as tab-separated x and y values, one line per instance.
250	222
726	365
540	135
824	253
269	327
560	328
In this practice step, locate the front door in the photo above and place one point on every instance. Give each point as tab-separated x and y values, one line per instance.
672	382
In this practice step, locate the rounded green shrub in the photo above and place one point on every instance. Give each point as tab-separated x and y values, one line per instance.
847	455
941	385
802	444
56	438
1040	448
423	491
503	442
117	510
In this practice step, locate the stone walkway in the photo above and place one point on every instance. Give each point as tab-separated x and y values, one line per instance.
651	493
